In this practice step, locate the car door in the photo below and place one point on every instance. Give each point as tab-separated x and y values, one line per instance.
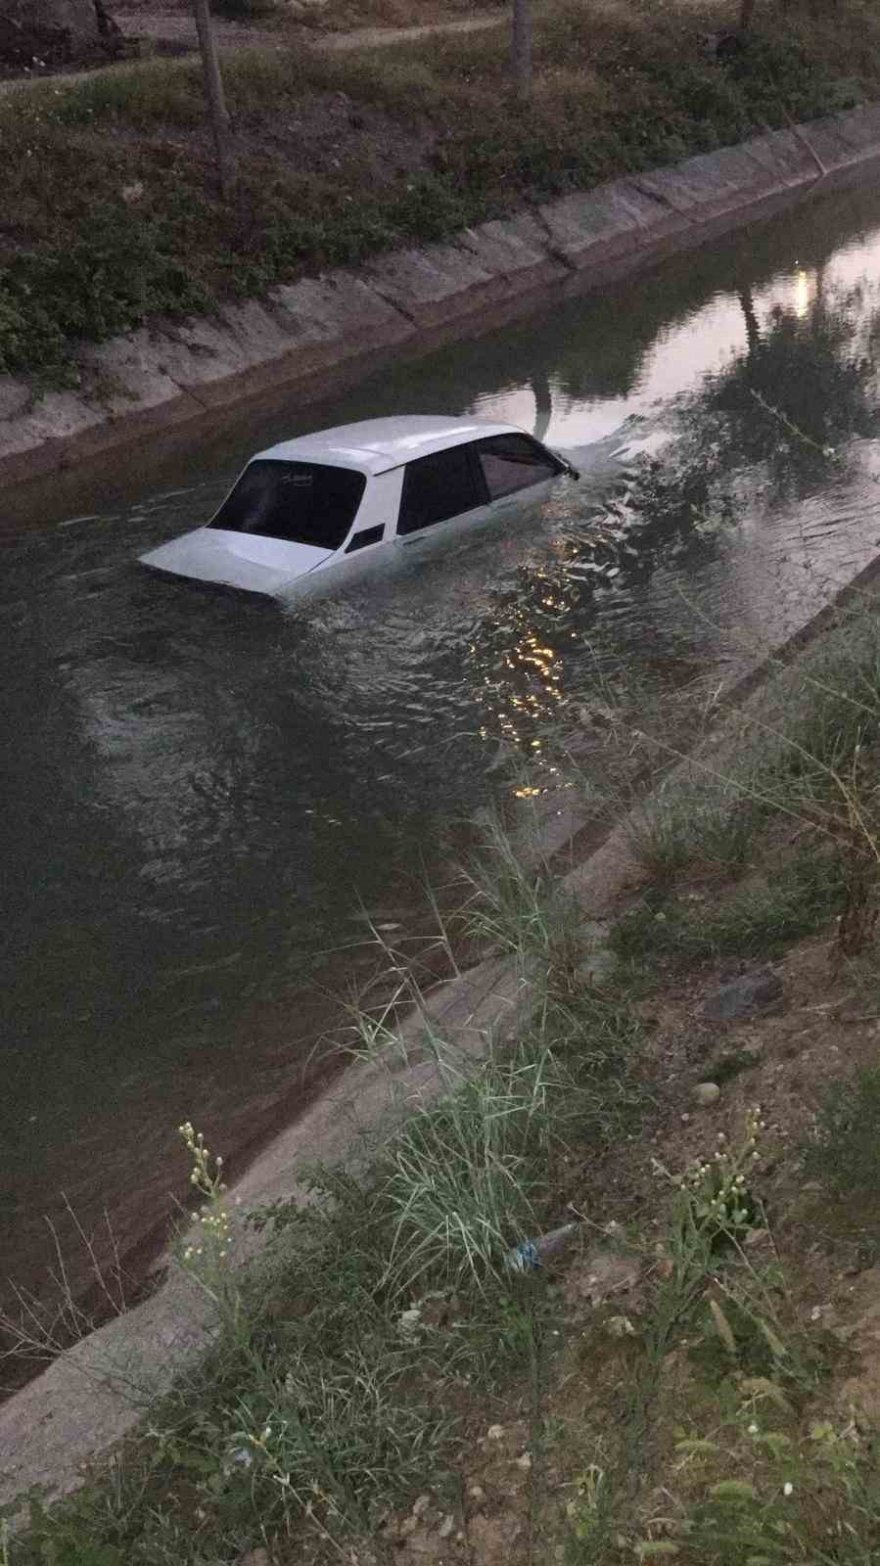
439	490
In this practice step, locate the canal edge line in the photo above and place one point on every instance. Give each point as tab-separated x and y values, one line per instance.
330	330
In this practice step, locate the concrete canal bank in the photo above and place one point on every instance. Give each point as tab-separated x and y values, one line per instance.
327	331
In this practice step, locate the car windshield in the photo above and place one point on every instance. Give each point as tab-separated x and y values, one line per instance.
303	502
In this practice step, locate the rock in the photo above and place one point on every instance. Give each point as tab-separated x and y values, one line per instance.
743	996
706	1093
620	1327
602	1274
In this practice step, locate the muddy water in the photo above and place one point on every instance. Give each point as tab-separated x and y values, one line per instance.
204	795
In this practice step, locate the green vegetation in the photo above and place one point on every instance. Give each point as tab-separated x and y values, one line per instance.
753	921
107	190
788	811
844	1150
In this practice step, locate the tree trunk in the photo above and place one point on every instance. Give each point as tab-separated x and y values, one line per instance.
521	47
215	95
746	12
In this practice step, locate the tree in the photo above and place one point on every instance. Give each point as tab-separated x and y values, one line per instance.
215	95
746	12
521	47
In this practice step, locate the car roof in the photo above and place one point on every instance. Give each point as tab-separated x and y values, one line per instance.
375	445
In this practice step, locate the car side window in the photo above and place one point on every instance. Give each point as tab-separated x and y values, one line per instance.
512	462
435	488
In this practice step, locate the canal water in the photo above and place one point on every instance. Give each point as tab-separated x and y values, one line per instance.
204	796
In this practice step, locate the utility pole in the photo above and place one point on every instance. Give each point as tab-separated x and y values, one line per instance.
215	95
521	48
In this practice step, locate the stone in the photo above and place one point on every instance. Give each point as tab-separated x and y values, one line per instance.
743	996
706	1094
601	1275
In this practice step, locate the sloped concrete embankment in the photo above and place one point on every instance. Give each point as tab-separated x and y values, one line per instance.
324	331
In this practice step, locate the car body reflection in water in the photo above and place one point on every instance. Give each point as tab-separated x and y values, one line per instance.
203	793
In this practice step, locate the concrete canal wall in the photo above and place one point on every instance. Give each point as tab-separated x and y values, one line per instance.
326	331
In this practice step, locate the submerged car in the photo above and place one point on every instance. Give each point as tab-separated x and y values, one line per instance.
308	505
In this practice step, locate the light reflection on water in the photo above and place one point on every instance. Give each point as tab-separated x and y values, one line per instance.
202	794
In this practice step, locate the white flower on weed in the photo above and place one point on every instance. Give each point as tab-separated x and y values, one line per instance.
788	1488
753	1429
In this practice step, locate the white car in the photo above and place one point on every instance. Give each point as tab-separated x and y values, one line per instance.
308	505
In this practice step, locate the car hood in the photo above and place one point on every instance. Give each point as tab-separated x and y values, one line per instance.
244	560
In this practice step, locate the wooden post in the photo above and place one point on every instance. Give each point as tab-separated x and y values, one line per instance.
215	95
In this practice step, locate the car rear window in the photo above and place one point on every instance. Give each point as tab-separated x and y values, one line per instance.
303	502
512	462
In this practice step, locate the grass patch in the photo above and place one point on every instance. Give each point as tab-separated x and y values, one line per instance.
753	921
110	212
844	1150
792	759
714	1452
